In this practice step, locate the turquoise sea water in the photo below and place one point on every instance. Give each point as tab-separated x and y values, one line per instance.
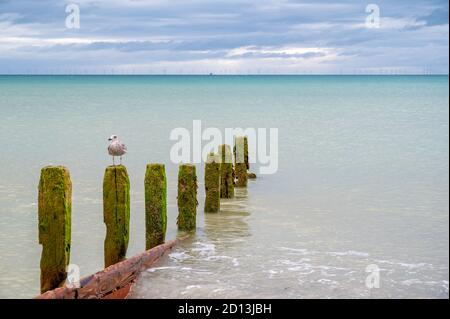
363	179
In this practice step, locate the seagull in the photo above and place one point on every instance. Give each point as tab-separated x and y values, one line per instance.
116	148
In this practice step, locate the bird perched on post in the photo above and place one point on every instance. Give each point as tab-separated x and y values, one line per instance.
116	148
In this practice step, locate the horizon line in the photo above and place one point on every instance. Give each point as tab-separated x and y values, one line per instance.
221	74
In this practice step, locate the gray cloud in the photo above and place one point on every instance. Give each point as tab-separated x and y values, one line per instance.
163	34
437	17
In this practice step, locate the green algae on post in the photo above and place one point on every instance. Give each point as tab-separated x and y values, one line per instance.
226	172
212	184
245	152
54	213
187	197
247	163
240	161
155	205
116	213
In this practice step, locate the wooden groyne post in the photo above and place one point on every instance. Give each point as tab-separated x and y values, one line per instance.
155	205
241	160
187	197
212	183
226	172
247	163
116	213
54	213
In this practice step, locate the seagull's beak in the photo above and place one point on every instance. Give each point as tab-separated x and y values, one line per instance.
110	139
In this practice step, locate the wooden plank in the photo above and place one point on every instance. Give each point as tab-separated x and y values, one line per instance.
114	278
121	293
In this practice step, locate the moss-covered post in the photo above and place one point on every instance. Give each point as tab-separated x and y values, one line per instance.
247	163
240	163
155	205
187	197
116	213
54	213
212	184
226	172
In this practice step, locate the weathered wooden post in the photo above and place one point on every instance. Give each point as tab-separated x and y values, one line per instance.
155	205
54	212
212	184
116	213
226	172
240	161
187	197
247	163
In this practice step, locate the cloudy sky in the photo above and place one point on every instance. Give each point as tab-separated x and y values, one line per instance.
224	37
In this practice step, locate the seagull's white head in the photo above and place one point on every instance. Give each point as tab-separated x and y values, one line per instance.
113	138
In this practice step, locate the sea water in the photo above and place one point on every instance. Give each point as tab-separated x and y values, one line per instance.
362	182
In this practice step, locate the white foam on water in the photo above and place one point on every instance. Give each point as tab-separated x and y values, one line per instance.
193	287
204	249
160	268
445	285
300	251
216	257
348	253
331	268
327	281
405	265
410	282
179	256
